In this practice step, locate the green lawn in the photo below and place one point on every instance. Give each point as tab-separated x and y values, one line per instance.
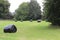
29	31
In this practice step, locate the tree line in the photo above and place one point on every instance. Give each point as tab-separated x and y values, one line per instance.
52	11
32	11
4	10
28	11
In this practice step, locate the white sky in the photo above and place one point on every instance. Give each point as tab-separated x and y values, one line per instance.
14	4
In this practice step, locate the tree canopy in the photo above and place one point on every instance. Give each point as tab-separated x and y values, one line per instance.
34	10
4	8
52	11
28	10
22	11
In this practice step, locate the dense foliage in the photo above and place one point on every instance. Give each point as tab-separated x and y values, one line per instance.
22	11
52	11
4	8
28	10
34	10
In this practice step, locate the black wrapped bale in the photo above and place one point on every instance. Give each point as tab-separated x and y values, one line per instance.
10	29
38	20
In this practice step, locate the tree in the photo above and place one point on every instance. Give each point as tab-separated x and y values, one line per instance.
34	10
4	8
52	11
22	11
28	11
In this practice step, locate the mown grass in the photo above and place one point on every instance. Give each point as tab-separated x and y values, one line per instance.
29	31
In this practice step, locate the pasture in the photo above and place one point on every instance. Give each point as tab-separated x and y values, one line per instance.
29	31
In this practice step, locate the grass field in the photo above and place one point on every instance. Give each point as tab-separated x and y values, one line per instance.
29	31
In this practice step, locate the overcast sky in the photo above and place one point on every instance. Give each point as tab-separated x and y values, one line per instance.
14	4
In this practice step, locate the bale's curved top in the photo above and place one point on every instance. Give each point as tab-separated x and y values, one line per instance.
9	26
